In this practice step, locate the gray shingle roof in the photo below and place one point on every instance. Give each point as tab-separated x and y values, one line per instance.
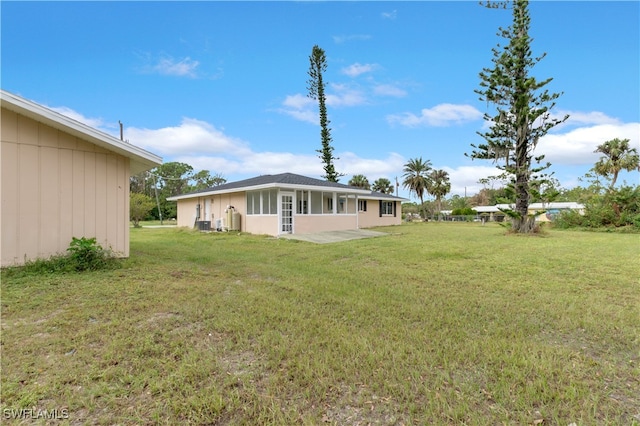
282	180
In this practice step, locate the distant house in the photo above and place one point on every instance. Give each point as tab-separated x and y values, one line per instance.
286	203
62	179
544	212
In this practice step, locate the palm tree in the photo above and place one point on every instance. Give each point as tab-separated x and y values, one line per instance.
383	185
360	181
617	156
438	186
416	178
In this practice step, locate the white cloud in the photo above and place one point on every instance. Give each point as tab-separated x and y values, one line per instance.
298	101
303	108
167	65
464	179
389	15
389	90
351	164
205	147
183	68
345	96
576	146
585	118
353	37
441	115
300	107
357	69
96	123
256	163
190	136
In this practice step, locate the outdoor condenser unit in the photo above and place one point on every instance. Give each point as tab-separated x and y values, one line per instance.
204	225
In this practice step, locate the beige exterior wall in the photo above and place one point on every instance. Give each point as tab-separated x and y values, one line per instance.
269	224
187	212
261	224
56	186
306	224
212	207
372	218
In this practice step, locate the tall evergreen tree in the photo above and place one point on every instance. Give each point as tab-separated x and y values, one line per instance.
317	66
521	115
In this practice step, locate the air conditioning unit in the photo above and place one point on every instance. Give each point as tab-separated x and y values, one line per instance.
204	225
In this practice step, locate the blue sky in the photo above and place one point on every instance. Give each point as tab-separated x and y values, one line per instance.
222	85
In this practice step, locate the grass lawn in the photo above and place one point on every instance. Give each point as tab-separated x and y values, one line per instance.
437	323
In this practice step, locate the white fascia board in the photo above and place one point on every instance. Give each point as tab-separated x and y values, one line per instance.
369	196
322	189
141	159
276	185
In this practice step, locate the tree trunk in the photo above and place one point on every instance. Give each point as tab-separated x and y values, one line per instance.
523	225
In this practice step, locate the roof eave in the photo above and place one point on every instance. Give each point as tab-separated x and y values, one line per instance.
140	159
271	185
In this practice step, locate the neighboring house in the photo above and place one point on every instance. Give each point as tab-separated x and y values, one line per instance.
61	179
544	212
286	204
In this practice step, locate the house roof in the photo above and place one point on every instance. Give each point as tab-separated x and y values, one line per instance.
140	160
284	181
533	206
545	206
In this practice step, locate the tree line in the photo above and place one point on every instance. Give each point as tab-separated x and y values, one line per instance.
149	190
607	202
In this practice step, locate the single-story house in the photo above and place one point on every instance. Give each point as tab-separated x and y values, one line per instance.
286	203
61	179
544	212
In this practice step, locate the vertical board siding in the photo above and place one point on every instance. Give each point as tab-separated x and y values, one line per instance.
55	187
49	199
101	199
65	206
89	193
9	217
28	207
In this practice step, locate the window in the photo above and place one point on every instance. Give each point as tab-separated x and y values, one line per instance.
362	205
386	208
316	202
302	205
273	201
250	198
262	202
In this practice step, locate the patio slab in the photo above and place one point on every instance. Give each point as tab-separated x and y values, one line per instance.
334	236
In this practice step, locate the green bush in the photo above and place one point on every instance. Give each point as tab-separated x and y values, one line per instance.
84	254
467	211
87	255
617	208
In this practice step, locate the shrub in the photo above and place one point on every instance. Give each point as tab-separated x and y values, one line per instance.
84	254
87	255
617	208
